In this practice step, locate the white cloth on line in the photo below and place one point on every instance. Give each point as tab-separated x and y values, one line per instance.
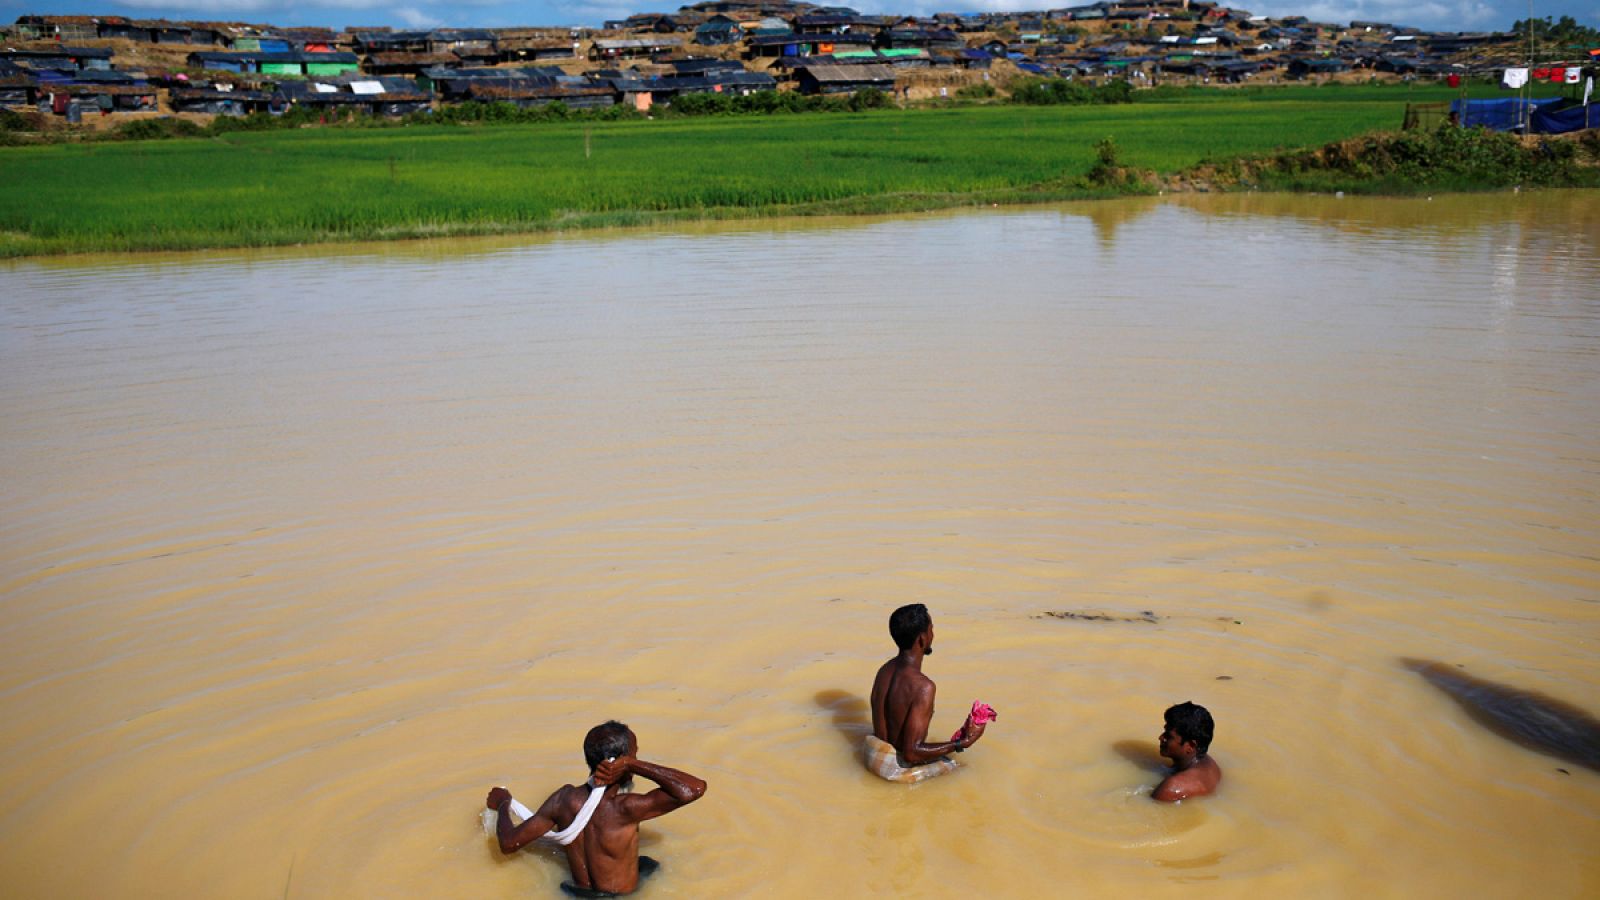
1573	75
1514	78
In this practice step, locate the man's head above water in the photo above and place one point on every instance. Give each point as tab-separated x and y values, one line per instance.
910	622
609	741
1190	723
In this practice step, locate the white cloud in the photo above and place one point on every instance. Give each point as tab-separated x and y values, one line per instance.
1453	15
416	18
223	8
209	7
597	11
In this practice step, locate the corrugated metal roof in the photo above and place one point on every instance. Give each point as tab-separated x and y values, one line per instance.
870	72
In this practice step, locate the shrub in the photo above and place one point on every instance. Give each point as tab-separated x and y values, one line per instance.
701	105
1107	168
1060	92
868	98
157	129
983	90
12	121
769	102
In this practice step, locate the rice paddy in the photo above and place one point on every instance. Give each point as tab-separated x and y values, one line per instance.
345	184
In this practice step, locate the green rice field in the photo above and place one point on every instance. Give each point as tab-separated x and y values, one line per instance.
346	184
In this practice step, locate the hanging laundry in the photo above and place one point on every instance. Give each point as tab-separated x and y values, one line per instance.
1558	75
1574	75
1514	78
1541	74
1453	80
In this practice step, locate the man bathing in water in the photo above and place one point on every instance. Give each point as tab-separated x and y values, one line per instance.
902	707
1185	741
598	822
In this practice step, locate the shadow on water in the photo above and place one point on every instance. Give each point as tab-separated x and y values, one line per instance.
1141	754
851	717
1527	717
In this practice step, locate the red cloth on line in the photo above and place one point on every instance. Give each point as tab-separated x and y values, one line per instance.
1453	81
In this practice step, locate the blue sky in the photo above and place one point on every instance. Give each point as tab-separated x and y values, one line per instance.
1450	15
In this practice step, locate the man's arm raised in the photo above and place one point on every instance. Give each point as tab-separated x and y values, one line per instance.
917	750
515	837
676	788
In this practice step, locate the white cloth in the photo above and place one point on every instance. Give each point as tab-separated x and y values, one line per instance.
579	822
566	835
1574	75
1514	78
1588	88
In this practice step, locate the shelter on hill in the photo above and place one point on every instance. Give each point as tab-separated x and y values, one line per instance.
824	79
804	44
1304	67
412	64
377	95
291	64
62	59
634	48
718	30
537	49
215	101
66	29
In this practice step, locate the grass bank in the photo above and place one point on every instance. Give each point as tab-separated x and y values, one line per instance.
1448	159
314	185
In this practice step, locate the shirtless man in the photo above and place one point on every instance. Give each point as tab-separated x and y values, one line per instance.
1185	741
902	706
603	854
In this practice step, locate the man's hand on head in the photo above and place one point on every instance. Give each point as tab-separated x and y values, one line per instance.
612	771
498	797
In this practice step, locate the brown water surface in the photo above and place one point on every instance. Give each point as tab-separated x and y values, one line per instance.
301	551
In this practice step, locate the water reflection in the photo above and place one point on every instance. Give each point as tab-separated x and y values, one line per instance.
1109	218
849	714
1142	754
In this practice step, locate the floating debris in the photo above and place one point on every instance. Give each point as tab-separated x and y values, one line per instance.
1087	616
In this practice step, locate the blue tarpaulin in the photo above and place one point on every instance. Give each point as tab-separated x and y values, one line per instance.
1571	118
1499	115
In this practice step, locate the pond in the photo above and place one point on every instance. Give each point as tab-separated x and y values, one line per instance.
303	550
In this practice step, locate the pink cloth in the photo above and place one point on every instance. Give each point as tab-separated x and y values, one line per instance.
982	714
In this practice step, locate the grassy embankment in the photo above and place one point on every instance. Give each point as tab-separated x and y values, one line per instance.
275	188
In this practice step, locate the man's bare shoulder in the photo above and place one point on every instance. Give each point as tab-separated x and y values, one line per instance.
903	673
568	798
1198	781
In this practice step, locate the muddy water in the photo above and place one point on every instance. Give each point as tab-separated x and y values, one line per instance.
302	551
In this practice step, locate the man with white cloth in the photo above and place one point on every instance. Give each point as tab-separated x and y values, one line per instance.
898	749
598	822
